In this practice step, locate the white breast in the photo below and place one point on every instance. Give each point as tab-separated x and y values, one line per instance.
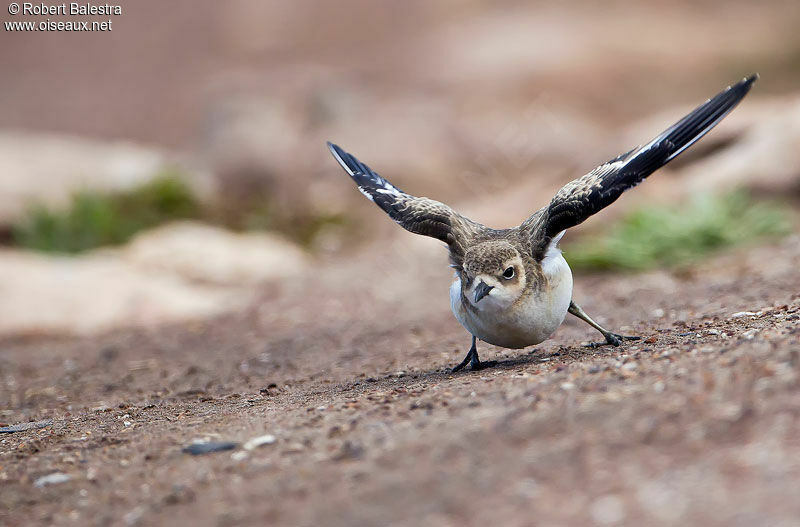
528	322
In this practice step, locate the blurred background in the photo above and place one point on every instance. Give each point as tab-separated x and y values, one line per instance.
175	168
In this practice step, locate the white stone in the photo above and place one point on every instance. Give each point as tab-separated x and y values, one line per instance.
52	479
741	314
256	442
239	455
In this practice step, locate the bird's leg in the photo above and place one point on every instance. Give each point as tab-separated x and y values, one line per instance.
472	358
473	351
614	339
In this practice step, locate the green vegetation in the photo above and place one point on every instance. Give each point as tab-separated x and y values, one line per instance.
94	219
678	236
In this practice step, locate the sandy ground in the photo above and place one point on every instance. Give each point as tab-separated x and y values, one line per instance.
698	423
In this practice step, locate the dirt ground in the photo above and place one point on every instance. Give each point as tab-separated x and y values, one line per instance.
698	423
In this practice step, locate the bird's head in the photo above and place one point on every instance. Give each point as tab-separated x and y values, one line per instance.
493	274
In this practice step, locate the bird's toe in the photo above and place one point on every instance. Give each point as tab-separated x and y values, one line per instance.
612	339
483	365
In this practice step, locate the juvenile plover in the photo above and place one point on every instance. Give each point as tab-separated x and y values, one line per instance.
513	287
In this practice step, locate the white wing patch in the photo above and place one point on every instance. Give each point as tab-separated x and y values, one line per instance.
388	188
367	194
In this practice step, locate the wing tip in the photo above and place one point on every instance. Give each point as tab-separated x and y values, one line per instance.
746	83
340	156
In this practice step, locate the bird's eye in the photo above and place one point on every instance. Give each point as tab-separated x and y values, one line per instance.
508	274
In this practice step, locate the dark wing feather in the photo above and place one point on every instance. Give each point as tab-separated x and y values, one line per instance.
581	198
418	215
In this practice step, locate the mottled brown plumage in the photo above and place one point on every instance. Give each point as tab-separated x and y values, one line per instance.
513	287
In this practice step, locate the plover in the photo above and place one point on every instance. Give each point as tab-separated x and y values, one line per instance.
512	287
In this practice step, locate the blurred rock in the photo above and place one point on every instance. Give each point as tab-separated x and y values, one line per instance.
256	442
25	426
41	293
48	168
52	479
177	272
199	449
764	157
203	253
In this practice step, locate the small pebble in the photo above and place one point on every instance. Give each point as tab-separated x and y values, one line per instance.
745	314
567	386
239	455
198	449
21	427
256	442
750	334
52	479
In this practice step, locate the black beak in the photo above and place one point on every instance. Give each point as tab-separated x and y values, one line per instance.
481	291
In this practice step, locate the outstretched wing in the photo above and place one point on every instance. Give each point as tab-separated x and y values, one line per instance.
418	215
579	199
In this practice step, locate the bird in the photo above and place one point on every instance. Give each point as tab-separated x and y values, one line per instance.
513	287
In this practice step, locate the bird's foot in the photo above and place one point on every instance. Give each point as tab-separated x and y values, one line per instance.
474	366
461	365
474	362
481	365
613	339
